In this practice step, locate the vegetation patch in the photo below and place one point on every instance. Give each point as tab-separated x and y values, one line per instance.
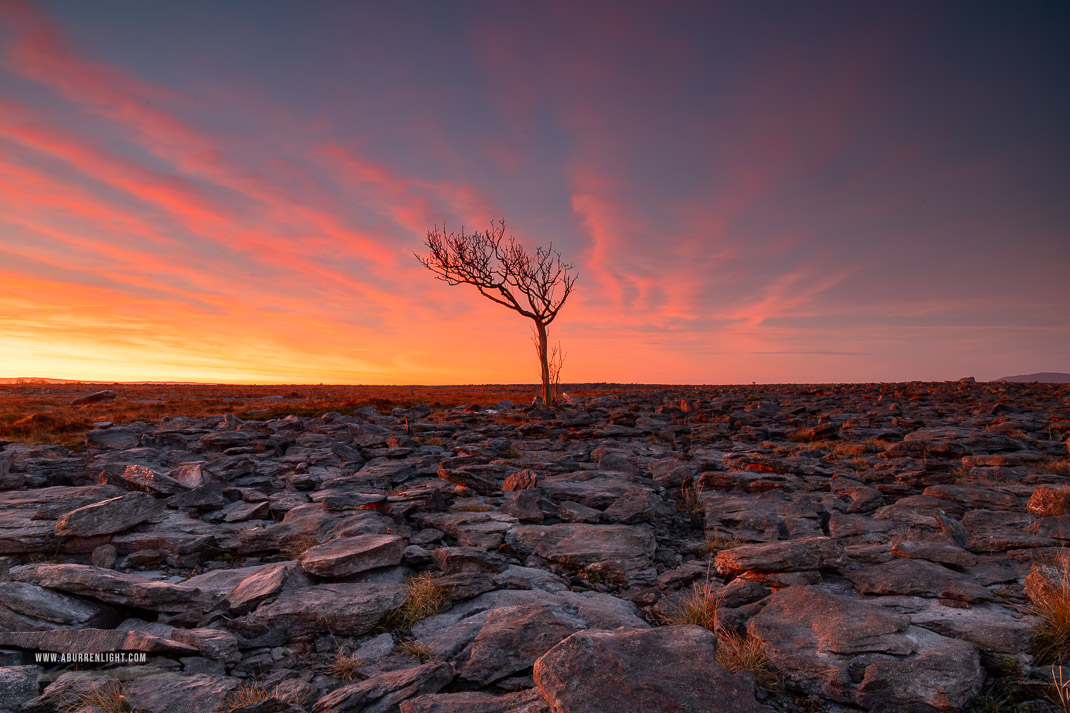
699	608
745	652
424	597
1051	605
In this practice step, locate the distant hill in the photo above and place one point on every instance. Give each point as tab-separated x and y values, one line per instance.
1044	377
36	380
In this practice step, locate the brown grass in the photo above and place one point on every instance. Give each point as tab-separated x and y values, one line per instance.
1055	466
250	692
1062	689
715	543
416	649
744	652
1051	604
344	667
698	608
42	413
424	597
299	544
110	698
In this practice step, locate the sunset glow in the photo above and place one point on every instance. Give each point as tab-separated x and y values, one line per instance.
233	192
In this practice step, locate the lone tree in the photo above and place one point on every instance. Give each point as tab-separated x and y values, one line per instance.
504	271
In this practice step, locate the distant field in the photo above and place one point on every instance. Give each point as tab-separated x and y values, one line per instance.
43	413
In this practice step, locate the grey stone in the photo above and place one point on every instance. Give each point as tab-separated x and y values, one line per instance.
385	692
342	609
109	516
596	671
351	555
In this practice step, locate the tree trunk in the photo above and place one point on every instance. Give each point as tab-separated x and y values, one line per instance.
544	365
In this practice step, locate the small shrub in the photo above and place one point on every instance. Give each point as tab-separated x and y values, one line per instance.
744	652
344	667
424	597
417	650
698	608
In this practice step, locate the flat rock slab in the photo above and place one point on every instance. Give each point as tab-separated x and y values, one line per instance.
175	693
595	489
529	701
472	529
939	552
385	692
671	668
917	577
347	609
27	517
80	641
18	684
808	553
581	545
109	516
512	638
823	643
112	587
28	607
347	556
768	518
144	478
263	584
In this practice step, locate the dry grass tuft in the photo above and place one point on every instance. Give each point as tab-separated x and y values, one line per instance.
1055	466
424	597
690	500
249	692
1051	604
417	650
344	667
715	543
698	608
298	545
110	698
746	652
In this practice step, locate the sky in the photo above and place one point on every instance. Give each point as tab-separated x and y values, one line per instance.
749	192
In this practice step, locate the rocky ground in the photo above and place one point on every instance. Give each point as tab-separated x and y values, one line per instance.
877	543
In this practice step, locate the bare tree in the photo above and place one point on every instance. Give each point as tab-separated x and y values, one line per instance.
503	271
